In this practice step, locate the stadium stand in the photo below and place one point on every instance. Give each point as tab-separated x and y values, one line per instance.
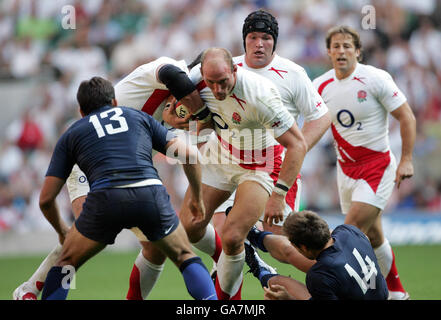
41	65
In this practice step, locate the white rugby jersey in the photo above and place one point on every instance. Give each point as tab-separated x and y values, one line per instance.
141	89
360	106
249	119
296	89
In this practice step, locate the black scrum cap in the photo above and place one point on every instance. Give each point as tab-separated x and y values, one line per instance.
261	21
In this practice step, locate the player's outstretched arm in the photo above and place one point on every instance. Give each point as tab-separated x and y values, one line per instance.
51	188
188	157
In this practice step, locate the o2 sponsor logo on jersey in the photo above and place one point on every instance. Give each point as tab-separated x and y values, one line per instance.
347	119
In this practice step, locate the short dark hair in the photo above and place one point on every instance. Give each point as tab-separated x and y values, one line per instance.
95	93
345	30
307	228
260	21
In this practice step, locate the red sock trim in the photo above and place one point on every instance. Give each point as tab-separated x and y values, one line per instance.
238	295
39	285
134	292
224	296
218	250
220	294
393	279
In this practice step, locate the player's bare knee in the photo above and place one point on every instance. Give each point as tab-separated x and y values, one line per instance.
152	253
66	259
375	237
359	222
195	231
232	240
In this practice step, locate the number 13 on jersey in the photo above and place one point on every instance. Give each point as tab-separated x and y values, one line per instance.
109	128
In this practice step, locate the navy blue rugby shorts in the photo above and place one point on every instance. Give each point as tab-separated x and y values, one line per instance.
106	212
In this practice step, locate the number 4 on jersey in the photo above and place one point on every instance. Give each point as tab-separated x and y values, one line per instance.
369	271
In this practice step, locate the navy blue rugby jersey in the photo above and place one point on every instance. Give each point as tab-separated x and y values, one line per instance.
112	146
348	270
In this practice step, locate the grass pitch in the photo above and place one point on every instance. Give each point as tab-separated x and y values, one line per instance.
106	276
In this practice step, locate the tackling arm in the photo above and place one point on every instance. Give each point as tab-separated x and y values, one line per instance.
51	188
184	90
188	156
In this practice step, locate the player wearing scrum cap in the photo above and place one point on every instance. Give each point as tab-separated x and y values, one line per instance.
260	33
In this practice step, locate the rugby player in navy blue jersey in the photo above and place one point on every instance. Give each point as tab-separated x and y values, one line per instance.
346	267
113	146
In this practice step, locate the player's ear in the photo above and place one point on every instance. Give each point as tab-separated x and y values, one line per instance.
114	102
357	53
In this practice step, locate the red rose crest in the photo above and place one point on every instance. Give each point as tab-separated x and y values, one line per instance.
361	96
236	118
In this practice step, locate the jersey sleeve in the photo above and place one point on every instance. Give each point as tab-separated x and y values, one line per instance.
387	92
195	74
272	114
321	286
307	99
160	135
61	162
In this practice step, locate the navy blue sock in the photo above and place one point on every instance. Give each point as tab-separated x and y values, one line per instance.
53	286
264	277
197	279
260	244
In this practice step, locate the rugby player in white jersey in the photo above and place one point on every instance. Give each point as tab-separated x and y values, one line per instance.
147	88
259	33
360	98
244	156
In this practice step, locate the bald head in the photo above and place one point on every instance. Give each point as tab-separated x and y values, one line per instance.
218	71
217	57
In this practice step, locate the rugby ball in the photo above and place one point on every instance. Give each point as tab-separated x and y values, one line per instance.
181	110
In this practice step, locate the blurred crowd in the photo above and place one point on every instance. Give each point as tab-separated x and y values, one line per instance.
111	37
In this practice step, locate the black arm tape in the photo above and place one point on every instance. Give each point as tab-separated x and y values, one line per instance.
176	80
202	113
281	186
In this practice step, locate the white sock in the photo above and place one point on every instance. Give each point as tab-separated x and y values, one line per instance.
229	272
148	274
207	244
41	273
384	257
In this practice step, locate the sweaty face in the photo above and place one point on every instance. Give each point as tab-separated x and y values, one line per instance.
219	78
343	54
259	49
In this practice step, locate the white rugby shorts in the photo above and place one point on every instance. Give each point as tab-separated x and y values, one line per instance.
292	201
77	184
360	190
